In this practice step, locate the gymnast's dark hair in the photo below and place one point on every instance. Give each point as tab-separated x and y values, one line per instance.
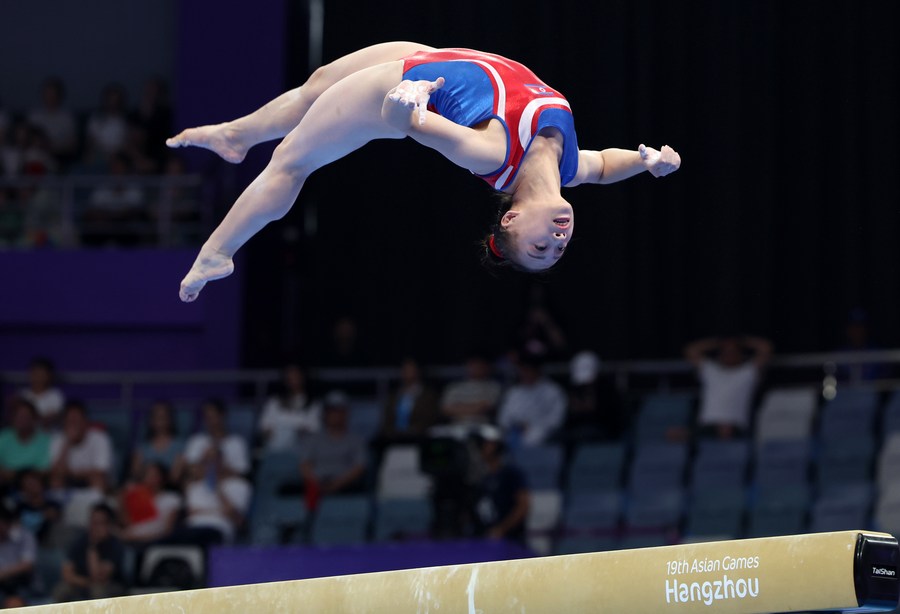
498	244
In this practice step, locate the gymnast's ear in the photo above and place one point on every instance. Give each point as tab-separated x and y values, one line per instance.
507	218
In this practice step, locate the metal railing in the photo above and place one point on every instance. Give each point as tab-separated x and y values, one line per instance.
829	371
70	210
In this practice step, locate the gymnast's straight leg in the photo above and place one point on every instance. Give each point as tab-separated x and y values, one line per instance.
274	120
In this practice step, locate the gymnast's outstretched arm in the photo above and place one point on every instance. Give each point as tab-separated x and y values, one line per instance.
612	165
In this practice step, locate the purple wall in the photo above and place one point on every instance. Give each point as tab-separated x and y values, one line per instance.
115	310
230	566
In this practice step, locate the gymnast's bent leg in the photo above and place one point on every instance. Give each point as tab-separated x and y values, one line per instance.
274	120
344	118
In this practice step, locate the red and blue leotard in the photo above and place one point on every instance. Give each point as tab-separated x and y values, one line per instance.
480	86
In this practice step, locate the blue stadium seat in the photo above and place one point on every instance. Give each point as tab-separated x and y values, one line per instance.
716	512
890	422
660	413
364	417
272	516
845	461
117	422
779	511
840	515
720	463
243	421
274	469
592	513
542	465
341	520
851	413
657	466
782	462
658	509
596	467
402	519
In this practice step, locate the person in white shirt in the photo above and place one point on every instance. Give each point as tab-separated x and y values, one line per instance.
81	456
57	122
728	382
473	399
42	393
291	414
534	408
227	451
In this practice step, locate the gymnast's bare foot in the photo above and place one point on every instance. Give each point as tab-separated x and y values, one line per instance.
219	138
209	266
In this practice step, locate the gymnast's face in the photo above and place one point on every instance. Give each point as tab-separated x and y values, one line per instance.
540	232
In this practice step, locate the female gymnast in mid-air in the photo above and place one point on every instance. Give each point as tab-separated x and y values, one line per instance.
483	112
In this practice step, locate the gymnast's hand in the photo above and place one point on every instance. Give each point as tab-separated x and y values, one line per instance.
660	163
415	95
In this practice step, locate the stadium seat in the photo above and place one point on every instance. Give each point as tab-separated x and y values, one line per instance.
851	413
786	414
592	513
542	465
596	467
782	462
242	421
544	513
273	517
400	475
716	512
341	520
402	519
660	414
276	468
843	514
720	463
890	422
887	512
779	510
580	545
845	461
657	509
888	469
364	418
657	466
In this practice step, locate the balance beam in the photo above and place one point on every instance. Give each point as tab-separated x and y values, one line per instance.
847	570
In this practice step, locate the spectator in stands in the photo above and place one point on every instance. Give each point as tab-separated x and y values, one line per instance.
81	456
534	408
334	460
162	446
594	408
502	499
55	120
858	338
43	393
37	158
216	450
107	126
37	509
540	333
728	382
216	496
116	209
150	510
472	400
94	562
290	414
18	553
178	202
411	408
23	445
155	117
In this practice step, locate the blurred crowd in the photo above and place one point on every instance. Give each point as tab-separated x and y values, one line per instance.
117	138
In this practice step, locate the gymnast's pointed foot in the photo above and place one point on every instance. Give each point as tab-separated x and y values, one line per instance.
209	266
220	138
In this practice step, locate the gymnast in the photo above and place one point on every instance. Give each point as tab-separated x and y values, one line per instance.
483	112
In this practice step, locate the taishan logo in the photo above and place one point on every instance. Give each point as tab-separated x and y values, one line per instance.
884	572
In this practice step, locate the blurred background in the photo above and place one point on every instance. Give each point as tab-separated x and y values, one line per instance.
765	267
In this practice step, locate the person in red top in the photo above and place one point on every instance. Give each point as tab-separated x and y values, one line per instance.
385	92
